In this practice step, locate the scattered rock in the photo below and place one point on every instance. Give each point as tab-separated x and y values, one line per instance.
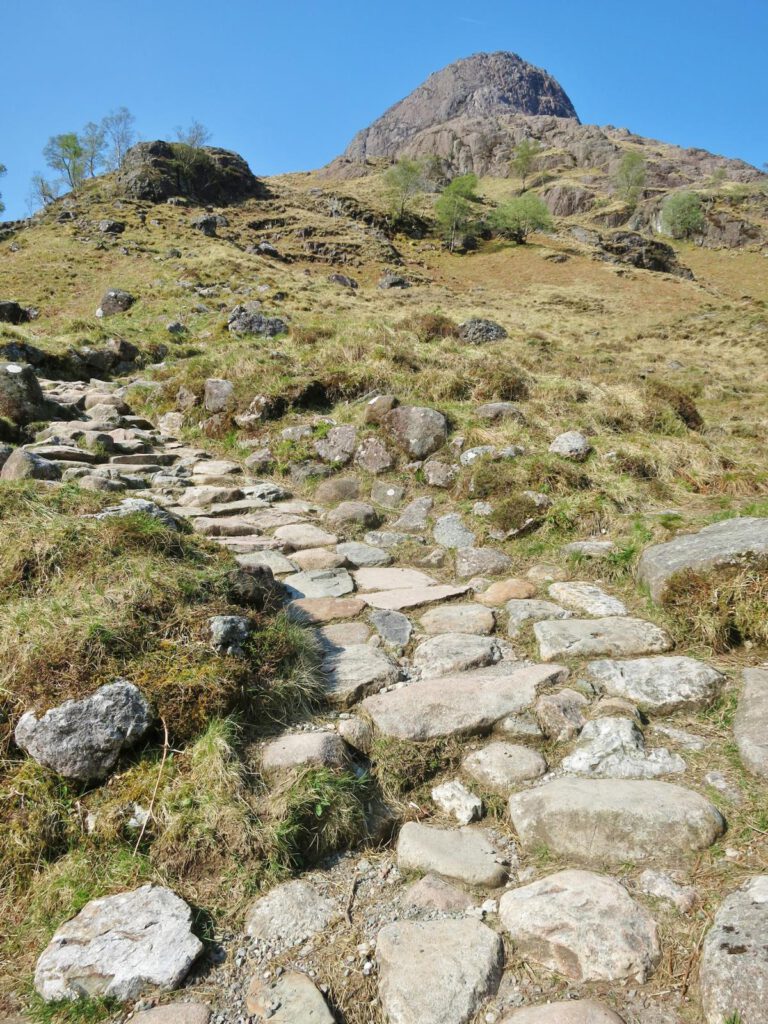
356	733
494	411
478	332
120	947
418	431
499	593
338	488
433	893
571	445
359	513
21	399
415	516
501	767
344	281
394	281
304	535
325	609
363	555
82	739
23	464
572	1011
373	456
439	474
387	495
229	633
378	407
114	301
219	395
174	1013
319	583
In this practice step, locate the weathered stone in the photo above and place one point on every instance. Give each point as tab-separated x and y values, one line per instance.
291	998
412	597
614	821
317	558
454	798
450	532
439	474
304	535
464	704
521	725
229	633
658	684
493	411
415	516
616	637
289	914
378	407
572	1011
587	598
356	733
500	767
433	893
477	331
392	627
590	548
338	488
82	739
338	446
455	618
325	609
219	395
614	747
343	634
732	542
387	495
304	748
174	1013
418	431
455	652
390	579
583	925
571	445
373	456
113	301
21	398
463	854
120	947
659	884
363	555
733	973
561	715
437	972
276	562
505	590
319	583
750	724
522	611
248	319
23	464
358	513
356	671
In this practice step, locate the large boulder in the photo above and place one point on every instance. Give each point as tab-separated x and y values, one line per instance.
731	542
82	739
733	975
26	465
418	431
13	313
248	319
120	947
645	253
156	171
21	399
113	301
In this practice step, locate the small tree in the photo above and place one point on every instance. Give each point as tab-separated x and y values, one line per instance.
94	144
455	208
65	154
682	214
519	216
42	192
630	177
403	182
522	162
2	172
195	136
119	135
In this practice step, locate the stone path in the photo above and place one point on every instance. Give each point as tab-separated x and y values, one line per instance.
411	656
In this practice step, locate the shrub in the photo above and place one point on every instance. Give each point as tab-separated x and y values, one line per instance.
682	214
518	217
430	326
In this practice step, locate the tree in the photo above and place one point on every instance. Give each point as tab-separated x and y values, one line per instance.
65	154
196	135
630	177
403	181
2	172
522	162
521	215
119	135
94	144
455	208
682	214
42	192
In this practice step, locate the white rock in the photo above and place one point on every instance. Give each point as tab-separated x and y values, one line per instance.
587	598
660	684
614	747
500	767
658	883
456	652
464	854
454	798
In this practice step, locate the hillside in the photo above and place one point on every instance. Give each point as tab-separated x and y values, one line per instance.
399	614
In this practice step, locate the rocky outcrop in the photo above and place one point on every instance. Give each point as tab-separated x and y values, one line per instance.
156	171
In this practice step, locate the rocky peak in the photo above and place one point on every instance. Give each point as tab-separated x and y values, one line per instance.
484	85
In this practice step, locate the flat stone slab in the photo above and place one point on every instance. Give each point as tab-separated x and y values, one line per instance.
319	583
356	671
583	925
289	914
750	724
520	612
500	766
343	634
412	597
391	579
363	555
572	1011
660	684
464	855
458	618
614	821
304	535
433	893
586	598
731	542
325	609
120	947
463	704
733	974
583	638
392	627
437	972
304	748
268	559
455	652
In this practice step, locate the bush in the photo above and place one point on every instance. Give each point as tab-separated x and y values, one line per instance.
430	326
518	217
682	215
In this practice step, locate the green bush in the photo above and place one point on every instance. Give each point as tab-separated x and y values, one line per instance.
518	217
682	215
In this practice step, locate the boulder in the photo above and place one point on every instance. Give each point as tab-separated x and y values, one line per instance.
414	517
417	431
439	474
289	914
583	926
82	739
248	319
502	591
378	407
616	637
571	445
114	301
437	972
359	513
658	684
738	541
733	972
613	747
21	399
644	253
477	331
157	171
23	464
501	767
120	947
613	821
394	281
750	724
344	281
493	411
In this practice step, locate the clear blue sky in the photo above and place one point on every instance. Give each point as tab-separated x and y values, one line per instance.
288	82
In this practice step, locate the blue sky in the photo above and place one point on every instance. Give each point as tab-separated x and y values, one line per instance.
288	82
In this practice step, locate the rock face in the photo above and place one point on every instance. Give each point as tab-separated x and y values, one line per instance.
121	947
750	726
156	171
733	975
732	542
582	925
82	739
437	972
614	821
477	87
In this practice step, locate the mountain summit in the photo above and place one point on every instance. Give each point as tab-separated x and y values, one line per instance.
485	85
